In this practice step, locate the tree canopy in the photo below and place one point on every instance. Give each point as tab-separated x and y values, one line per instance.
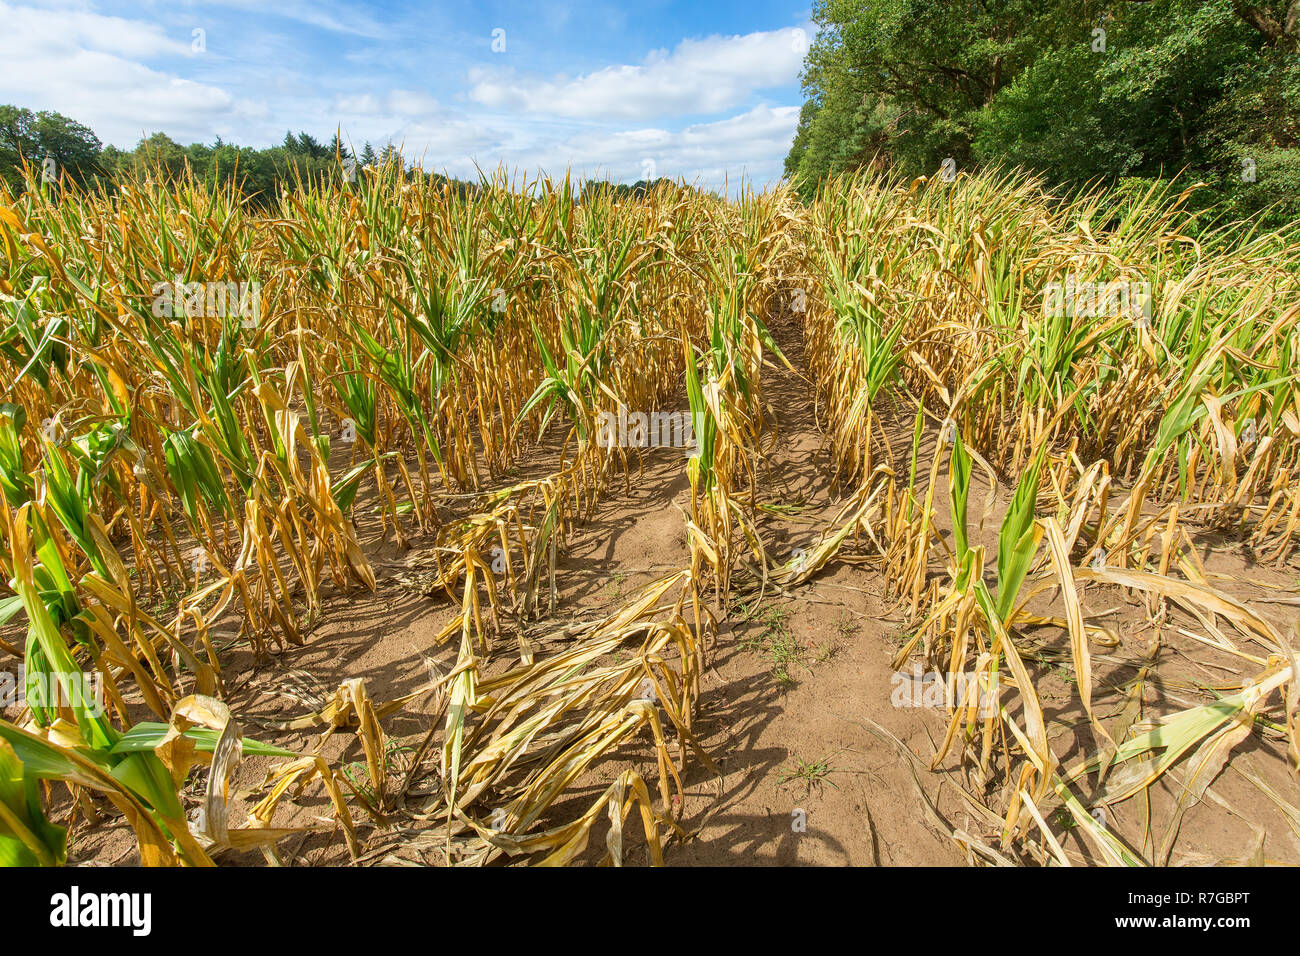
1075	90
28	138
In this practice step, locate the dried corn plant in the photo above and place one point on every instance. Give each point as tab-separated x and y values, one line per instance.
1134	386
210	412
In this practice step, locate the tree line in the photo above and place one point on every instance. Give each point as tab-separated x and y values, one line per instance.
30	138
1078	91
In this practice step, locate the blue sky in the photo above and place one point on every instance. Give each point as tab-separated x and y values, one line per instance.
702	91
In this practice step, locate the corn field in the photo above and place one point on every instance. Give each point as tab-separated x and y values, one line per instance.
380	360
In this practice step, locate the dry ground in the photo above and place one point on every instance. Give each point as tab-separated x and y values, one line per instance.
794	690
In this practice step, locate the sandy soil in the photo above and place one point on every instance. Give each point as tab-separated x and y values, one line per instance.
795	689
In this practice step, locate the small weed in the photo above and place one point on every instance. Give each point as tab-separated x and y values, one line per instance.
775	642
846	626
615	587
813	773
900	636
1065	819
359	775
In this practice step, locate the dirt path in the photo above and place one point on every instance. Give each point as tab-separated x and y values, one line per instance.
794	692
790	688
787	704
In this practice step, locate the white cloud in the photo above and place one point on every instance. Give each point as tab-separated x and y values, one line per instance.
411	103
362	104
395	103
700	77
77	63
316	13
126	78
52	32
752	144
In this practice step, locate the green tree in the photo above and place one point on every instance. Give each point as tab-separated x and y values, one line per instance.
72	145
1077	92
28	137
912	77
18	144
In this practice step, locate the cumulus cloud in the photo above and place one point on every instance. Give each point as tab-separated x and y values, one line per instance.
692	113
45	32
750	145
84	65
395	103
698	77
